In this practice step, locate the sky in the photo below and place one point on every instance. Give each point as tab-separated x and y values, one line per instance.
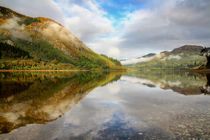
126	28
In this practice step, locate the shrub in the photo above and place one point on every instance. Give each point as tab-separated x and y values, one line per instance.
28	21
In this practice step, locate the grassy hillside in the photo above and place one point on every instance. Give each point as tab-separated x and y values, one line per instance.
40	43
185	57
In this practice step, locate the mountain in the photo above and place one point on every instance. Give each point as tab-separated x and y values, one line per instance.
42	43
187	49
149	55
184	57
144	58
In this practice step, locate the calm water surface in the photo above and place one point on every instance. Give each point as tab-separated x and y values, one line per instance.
140	105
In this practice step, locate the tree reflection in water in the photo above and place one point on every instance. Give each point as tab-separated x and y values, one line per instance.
206	88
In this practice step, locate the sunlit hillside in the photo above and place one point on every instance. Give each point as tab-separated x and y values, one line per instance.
41	43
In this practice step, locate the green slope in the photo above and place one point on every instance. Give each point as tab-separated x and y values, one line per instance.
41	43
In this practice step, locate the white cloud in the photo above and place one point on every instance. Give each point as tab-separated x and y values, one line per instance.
88	25
43	8
107	46
114	52
167	26
162	25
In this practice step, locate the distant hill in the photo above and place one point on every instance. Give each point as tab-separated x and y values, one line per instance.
141	59
187	56
42	43
187	49
149	55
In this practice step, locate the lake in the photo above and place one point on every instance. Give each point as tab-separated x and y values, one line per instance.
104	106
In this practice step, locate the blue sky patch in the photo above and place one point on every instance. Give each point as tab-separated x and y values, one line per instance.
119	8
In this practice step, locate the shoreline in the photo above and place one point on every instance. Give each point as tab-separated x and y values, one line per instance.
42	70
201	70
59	70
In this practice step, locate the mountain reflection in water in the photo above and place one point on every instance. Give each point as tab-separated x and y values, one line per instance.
41	97
137	105
182	82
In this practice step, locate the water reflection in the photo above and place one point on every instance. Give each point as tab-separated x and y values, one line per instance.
206	88
41	97
183	82
137	105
